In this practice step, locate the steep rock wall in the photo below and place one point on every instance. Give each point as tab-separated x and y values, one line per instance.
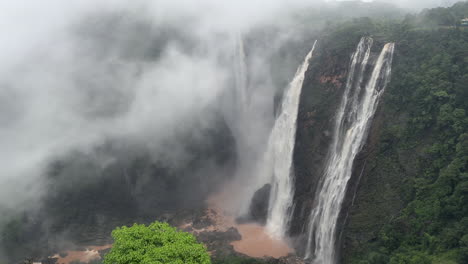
323	87
322	92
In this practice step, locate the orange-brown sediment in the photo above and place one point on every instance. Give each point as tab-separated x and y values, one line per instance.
91	253
255	242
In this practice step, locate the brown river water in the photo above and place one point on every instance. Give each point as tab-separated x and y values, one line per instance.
255	242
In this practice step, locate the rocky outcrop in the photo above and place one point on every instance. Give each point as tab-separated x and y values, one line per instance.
258	210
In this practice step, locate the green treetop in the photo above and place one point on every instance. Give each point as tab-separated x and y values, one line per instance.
158	243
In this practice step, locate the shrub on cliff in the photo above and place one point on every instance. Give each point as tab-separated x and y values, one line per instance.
156	243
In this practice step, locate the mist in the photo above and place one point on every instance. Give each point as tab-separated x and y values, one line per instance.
421	4
75	76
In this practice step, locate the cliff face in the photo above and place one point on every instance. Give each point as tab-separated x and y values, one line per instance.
377	188
322	91
407	200
373	191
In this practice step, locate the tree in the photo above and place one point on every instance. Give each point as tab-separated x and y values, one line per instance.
157	243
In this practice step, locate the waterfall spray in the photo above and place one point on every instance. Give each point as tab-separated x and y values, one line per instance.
279	154
353	118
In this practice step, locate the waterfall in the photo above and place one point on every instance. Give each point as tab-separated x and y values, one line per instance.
241	109
240	73
354	115
280	153
242	121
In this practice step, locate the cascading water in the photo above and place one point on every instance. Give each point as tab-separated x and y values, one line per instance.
241	73
243	123
279	154
241	109
354	115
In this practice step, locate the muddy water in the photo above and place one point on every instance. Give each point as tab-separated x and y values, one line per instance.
91	253
255	242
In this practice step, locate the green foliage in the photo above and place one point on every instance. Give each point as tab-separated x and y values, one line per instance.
157	243
428	86
410	258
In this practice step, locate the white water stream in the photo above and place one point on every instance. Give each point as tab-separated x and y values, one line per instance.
353	118
279	155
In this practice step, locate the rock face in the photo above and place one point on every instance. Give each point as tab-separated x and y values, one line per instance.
219	242
258	210
322	92
375	192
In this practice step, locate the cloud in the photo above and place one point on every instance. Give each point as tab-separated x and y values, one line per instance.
74	75
63	88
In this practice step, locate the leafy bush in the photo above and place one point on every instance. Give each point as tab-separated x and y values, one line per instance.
157	243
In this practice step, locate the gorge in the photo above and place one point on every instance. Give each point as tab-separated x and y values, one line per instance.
318	133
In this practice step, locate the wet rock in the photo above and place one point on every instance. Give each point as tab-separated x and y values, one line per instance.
47	261
222	236
258	210
203	222
219	242
291	259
